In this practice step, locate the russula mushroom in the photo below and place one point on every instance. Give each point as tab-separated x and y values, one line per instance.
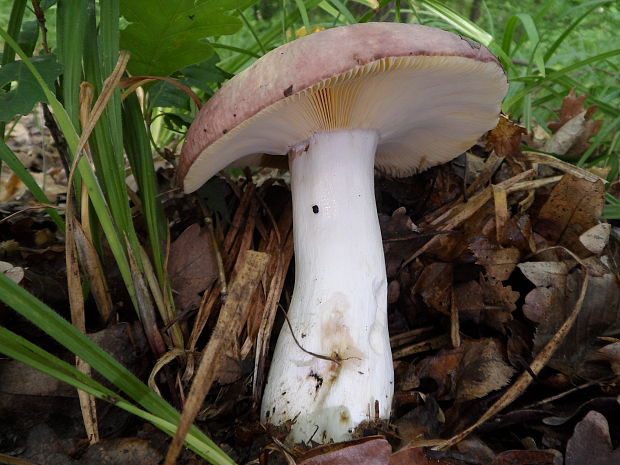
341	102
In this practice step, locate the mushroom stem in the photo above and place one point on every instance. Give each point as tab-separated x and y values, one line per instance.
340	368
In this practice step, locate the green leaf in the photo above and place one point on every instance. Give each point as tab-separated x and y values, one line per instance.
165	36
20	99
28	36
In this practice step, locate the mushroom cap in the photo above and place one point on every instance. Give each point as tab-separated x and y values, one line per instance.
429	93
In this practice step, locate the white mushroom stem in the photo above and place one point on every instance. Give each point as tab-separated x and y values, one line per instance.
339	372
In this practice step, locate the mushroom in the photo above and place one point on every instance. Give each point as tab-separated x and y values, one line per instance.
398	97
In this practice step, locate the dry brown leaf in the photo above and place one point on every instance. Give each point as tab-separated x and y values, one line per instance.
231	320
399	238
421	456
572	106
424	421
596	238
574	206
524	457
498	261
545	274
14	273
434	286
441	368
481	370
121	451
590	443
374	450
524	380
505	138
611	353
550	303
486	302
567	136
192	266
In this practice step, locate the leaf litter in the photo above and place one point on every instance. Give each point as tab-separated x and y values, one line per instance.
503	295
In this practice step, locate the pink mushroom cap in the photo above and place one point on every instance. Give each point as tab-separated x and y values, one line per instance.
429	93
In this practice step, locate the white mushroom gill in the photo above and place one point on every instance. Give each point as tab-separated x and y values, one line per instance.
340	368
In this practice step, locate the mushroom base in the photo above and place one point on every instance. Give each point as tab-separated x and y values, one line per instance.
338	373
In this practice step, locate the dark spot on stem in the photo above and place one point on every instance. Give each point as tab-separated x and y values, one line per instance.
315	209
224	131
288	91
318	379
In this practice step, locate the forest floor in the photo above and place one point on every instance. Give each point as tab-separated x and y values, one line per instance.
503	304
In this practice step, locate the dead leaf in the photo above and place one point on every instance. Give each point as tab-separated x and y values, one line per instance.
481	370
550	303
596	238
231	320
434	286
421	456
14	273
611	353
498	261
486	302
421	423
567	135
574	206
120	452
590	444
505	138
192	266
374	450
441	368
524	457
399	238
572	106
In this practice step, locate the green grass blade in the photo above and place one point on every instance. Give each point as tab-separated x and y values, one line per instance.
235	64
538	82
24	351
343	10
301	7
67	335
94	190
260	44
509	32
369	15
556	44
458	21
466	27
532	34
15	23
8	54
250	53
605	132
489	17
71	33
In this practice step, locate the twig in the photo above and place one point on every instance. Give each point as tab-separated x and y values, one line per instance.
337	360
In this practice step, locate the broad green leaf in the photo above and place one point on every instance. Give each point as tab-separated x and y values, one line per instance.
201	76
21	98
165	36
28	36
